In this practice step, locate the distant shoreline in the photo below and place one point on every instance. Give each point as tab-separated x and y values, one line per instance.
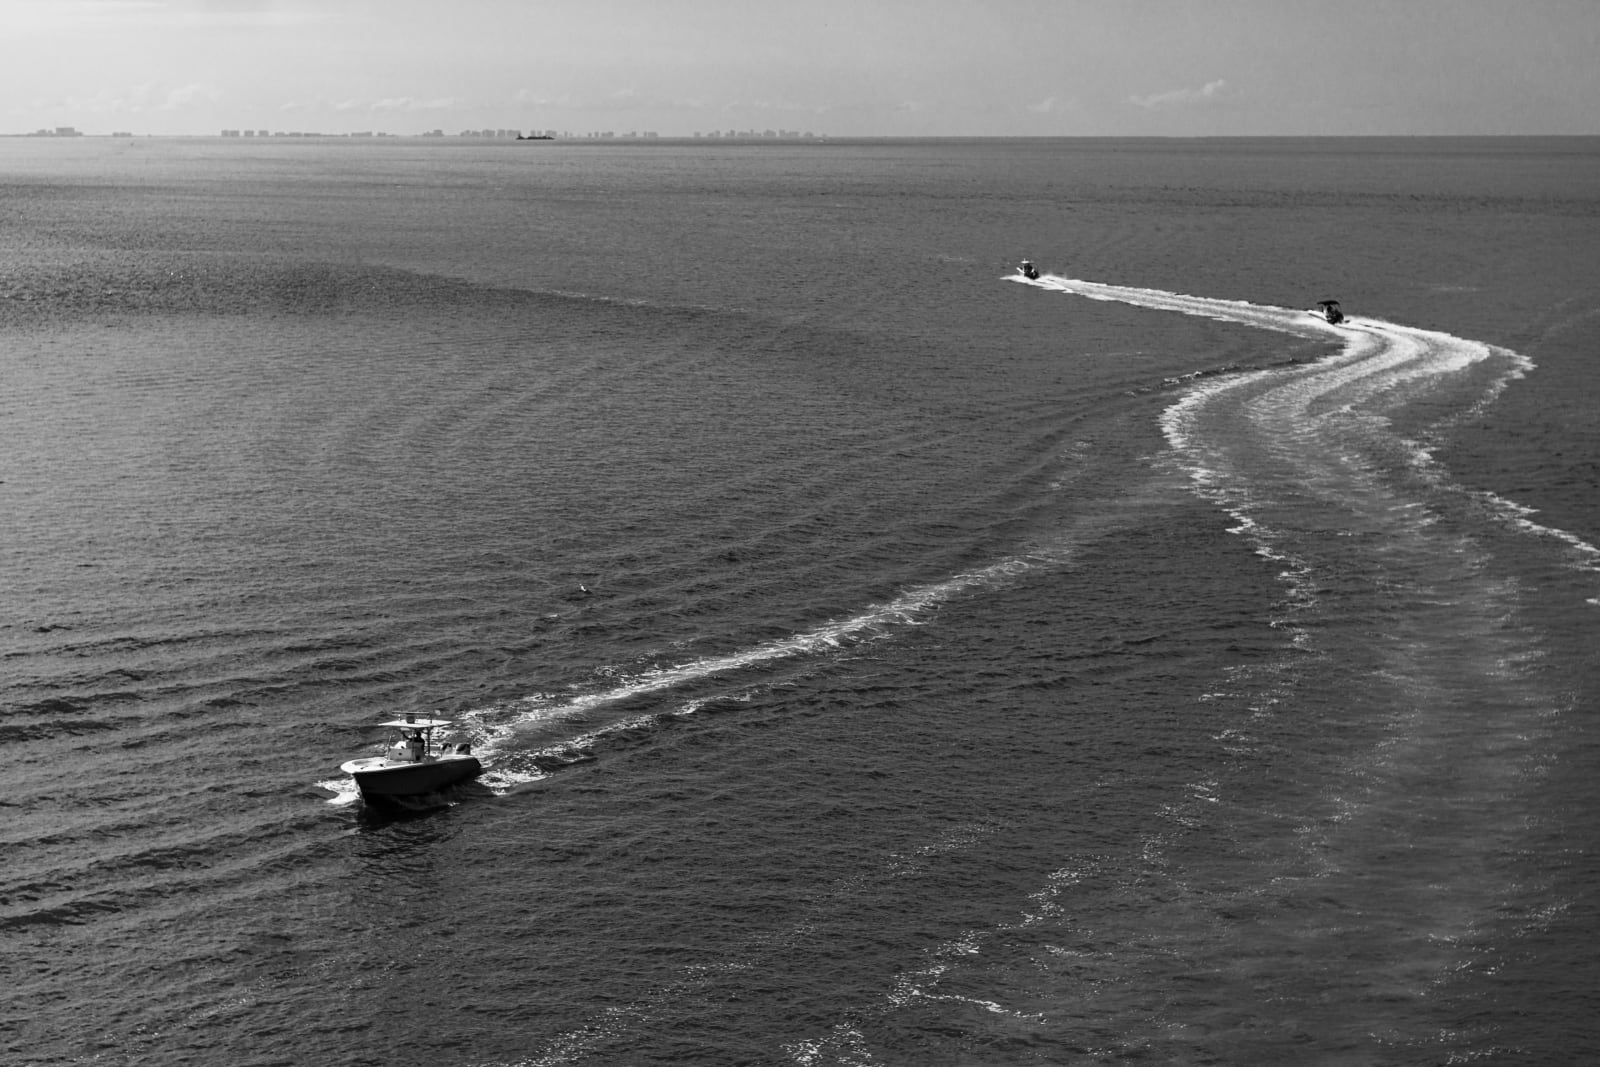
681	139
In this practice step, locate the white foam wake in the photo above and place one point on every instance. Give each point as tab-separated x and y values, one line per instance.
1378	362
495	730
1284	320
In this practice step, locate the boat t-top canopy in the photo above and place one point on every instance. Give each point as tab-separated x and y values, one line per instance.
417	724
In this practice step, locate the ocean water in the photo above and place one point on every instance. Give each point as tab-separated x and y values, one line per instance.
878	659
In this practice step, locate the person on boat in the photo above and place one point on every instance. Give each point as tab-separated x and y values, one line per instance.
416	746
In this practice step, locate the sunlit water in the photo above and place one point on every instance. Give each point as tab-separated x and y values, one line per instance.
875	661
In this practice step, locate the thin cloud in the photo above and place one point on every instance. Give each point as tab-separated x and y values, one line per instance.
633	100
388	104
188	95
528	96
144	98
90	16
1051	105
407	103
1208	93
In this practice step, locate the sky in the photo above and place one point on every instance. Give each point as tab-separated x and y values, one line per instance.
841	68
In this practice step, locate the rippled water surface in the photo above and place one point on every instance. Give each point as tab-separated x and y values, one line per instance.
878	658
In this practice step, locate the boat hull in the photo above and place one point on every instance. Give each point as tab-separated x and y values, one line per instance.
380	778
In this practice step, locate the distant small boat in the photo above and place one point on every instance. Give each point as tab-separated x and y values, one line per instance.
1330	311
413	768
1029	271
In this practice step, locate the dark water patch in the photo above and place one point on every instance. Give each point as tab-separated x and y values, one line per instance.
66	877
326	643
75	914
117	644
115	289
12	733
51	705
164	286
68	716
